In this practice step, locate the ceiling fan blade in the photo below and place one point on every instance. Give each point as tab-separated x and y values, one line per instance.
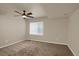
29	13
18	12
30	16
16	15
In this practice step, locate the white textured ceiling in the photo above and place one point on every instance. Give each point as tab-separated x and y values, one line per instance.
59	9
52	10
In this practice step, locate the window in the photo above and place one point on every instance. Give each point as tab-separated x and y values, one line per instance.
36	28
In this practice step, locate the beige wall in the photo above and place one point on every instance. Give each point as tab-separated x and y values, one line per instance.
12	30
74	32
55	31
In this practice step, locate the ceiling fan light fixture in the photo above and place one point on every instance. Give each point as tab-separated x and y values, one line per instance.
24	16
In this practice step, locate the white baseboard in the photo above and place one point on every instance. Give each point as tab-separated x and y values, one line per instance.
71	50
49	42
12	43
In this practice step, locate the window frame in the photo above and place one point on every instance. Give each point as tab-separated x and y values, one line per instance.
41	26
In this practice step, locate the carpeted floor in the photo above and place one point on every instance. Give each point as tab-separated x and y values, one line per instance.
35	48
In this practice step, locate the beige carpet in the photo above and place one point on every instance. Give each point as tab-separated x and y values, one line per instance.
35	48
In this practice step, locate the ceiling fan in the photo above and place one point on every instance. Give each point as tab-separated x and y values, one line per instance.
24	14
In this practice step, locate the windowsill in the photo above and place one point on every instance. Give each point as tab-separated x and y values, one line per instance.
37	34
